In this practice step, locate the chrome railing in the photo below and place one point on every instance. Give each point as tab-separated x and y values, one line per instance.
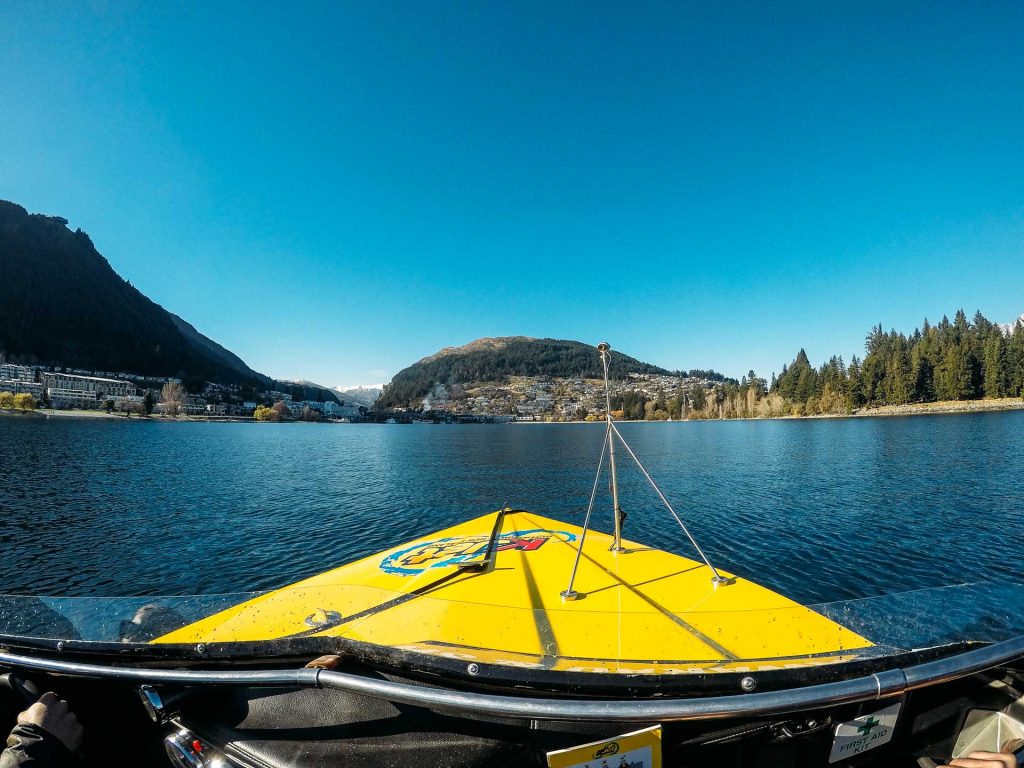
876	686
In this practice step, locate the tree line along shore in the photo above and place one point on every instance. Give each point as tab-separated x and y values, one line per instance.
951	366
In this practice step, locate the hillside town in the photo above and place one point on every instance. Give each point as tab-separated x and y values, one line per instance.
68	389
547	398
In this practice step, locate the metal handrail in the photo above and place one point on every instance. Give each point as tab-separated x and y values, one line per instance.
299	678
876	686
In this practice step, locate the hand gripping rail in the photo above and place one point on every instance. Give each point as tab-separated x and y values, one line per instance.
876	686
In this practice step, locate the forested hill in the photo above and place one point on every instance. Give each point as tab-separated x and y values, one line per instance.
62	303
496	359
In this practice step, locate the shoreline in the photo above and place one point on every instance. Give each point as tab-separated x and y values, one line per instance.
942	407
77	414
938	408
48	413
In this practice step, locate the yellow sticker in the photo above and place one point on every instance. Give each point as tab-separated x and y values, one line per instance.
639	749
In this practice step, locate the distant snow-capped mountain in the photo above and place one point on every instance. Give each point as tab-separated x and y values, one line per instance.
1007	328
365	396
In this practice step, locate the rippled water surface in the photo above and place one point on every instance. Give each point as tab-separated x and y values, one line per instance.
820	510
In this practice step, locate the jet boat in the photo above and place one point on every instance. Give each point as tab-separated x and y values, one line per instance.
519	639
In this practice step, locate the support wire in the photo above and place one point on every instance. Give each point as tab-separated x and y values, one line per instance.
570	593
718	578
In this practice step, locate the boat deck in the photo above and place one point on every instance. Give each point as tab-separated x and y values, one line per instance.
480	593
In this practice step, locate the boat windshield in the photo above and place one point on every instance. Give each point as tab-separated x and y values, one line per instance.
429	632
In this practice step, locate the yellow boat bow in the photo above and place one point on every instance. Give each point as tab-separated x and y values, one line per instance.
489	591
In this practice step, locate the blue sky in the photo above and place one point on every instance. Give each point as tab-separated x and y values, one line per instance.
333	191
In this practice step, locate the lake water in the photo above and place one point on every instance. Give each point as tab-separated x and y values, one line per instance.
819	510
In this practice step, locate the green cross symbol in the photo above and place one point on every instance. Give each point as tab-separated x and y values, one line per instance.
865	729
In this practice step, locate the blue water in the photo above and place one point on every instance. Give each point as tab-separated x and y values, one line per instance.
820	510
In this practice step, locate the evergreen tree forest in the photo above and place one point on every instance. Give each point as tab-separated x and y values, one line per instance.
959	360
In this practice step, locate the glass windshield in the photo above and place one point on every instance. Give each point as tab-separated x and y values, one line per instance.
485	630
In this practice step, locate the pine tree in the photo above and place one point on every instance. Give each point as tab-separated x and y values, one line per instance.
854	385
956	375
872	373
922	373
981	324
960	325
874	341
807	381
1015	363
897	375
995	365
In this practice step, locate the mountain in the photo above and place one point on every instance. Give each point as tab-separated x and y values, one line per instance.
365	396
212	348
307	390
481	345
494	359
61	303
1008	328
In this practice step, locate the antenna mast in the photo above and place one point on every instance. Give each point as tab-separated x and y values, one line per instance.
608	444
605	349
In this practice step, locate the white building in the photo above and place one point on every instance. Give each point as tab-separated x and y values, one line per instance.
20	378
9	372
69	390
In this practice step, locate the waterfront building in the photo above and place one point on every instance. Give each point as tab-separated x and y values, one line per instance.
33	388
334	411
9	372
69	390
18	379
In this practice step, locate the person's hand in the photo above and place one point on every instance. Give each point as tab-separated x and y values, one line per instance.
984	760
53	715
330	661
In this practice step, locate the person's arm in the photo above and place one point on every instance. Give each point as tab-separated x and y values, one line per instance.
47	736
984	760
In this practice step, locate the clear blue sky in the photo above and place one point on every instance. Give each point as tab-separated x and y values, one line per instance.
333	191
